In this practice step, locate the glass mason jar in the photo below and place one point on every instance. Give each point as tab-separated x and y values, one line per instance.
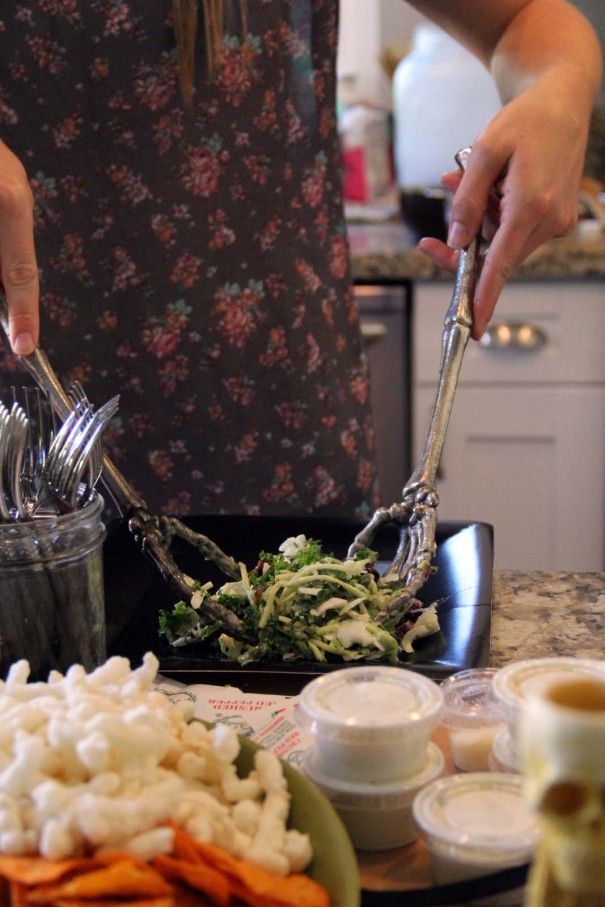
52	604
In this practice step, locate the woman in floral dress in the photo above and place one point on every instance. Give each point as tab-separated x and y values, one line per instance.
190	237
194	258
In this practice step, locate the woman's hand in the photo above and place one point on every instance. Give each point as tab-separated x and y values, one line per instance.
18	269
546	61
532	154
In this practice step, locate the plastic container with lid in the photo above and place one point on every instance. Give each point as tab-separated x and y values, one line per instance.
370	724
517	681
502	757
472	716
376	816
475	824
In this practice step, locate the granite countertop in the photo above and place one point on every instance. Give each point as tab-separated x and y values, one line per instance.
387	250
543	614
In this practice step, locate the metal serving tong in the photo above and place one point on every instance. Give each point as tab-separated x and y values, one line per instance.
153	534
416	515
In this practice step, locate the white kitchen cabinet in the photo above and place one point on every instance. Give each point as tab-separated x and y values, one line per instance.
525	449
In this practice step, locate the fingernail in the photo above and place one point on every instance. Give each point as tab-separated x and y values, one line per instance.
24	344
458	236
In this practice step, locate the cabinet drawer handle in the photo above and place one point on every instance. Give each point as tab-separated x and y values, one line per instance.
513	335
371	331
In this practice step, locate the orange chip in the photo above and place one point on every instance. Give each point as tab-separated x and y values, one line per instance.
106	857
147	902
39	870
123	879
187	897
198	875
260	888
194	875
184	847
17	894
215	856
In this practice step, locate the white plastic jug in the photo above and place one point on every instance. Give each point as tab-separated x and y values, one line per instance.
443	97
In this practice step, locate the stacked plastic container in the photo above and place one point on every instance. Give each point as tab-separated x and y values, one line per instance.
475	822
372	753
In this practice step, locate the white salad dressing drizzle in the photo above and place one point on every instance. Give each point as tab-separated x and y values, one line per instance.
369	702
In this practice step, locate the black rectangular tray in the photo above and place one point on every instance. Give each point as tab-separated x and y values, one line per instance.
135	593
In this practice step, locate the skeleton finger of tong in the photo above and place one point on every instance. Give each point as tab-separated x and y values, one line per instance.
153	534
416	514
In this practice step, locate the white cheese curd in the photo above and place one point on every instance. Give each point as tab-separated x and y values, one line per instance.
90	762
293	545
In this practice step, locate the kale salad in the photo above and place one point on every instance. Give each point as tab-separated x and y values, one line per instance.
303	604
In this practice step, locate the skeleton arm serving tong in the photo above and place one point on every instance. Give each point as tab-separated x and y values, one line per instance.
416	514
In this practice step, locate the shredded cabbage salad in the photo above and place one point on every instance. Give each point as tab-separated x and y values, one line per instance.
302	604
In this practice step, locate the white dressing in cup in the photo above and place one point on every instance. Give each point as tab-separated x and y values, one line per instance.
370	724
475	824
472	716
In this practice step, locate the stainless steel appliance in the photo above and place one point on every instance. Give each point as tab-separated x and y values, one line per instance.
385	314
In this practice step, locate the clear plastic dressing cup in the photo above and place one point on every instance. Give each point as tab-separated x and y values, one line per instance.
371	724
472	716
476	824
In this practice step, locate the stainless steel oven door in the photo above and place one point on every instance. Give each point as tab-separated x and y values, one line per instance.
385	315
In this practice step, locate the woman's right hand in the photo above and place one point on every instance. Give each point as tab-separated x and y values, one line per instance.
18	268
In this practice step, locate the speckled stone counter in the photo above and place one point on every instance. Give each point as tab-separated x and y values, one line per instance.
387	251
542	614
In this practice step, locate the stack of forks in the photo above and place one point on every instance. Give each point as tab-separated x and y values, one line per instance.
45	469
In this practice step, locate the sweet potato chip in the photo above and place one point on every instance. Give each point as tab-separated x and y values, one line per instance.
18	894
194	875
153	902
123	879
198	875
39	870
105	857
256	890
184	846
260	888
187	897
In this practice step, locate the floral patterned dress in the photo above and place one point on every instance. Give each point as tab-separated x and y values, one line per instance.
194	260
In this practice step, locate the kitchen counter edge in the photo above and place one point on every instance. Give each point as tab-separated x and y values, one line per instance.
387	253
